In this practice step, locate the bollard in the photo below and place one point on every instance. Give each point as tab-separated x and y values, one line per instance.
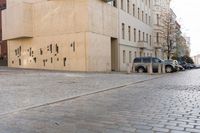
128	68
160	68
150	71
108	68
133	68
163	68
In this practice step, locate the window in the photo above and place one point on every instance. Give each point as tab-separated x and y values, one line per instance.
150	40
122	4
140	53
155	53
135	54
138	13
142	15
130	56
157	19
128	3
143	36
113	3
149	20
157	37
134	35
124	56
149	3
147	38
129	33
133	9
146	18
123	31
139	35
20	62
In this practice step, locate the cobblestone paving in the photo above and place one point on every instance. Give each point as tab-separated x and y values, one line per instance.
170	104
21	88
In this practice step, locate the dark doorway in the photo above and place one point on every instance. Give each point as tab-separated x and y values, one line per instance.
114	54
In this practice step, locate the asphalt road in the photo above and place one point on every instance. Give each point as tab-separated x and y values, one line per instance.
43	102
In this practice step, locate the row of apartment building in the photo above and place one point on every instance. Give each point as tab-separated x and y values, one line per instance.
83	35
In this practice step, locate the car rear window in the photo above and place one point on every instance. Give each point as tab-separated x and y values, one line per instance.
137	60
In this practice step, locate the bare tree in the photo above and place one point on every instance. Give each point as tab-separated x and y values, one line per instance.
169	32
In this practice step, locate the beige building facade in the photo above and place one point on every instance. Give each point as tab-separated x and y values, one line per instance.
196	59
161	11
78	35
73	35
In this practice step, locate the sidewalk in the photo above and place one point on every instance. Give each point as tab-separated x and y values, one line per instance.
21	89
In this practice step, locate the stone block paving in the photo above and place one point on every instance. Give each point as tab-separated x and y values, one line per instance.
169	104
21	89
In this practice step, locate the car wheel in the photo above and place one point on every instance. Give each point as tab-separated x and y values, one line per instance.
141	70
168	69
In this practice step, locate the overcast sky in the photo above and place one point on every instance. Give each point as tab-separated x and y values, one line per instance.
188	15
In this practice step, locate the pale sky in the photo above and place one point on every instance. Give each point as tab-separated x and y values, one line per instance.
188	15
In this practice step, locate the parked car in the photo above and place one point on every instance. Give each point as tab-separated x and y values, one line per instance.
184	65
178	66
181	68
192	66
197	67
141	63
170	66
187	65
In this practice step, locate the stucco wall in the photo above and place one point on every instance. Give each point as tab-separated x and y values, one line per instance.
17	21
70	46
98	52
75	27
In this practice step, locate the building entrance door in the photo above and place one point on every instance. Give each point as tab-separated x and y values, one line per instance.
114	54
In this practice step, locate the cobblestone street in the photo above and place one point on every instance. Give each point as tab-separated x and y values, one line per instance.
56	102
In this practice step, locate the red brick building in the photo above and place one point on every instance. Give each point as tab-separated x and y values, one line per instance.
3	44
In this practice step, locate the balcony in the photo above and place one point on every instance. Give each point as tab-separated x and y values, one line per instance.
157	45
142	44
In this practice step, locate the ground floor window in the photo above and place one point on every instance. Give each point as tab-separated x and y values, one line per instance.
130	56
124	56
135	54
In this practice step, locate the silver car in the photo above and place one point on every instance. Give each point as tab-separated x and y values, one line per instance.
141	63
